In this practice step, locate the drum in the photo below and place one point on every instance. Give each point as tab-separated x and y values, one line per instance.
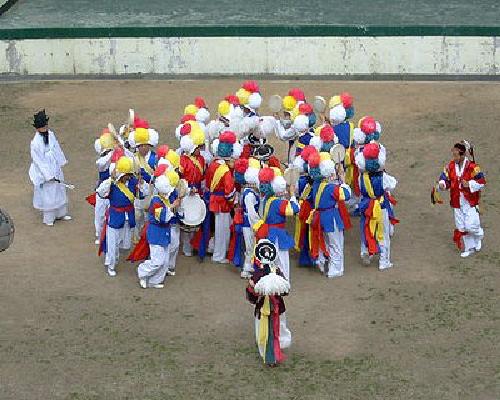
319	105
337	152
6	230
275	103
291	176
194	210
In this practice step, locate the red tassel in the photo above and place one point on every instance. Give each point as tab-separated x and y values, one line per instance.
91	199
457	238
232	243
344	214
141	249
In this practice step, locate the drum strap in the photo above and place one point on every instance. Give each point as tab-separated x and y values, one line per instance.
218	175
196	163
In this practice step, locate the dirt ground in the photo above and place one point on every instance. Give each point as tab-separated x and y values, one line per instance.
427	329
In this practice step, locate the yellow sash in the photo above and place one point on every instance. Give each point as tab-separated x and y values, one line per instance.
317	199
298	222
126	191
376	223
165	201
218	175
262	221
265	312
196	163
144	164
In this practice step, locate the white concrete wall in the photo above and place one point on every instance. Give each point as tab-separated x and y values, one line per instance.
254	55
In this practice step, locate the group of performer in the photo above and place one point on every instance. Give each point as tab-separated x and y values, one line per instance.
222	191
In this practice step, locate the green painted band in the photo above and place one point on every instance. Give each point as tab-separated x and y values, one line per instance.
247	31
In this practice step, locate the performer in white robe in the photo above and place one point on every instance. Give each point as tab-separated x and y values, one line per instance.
49	192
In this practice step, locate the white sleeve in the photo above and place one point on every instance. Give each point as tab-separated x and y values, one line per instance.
104	162
144	188
40	163
285	134
389	182
104	188
250	202
474	186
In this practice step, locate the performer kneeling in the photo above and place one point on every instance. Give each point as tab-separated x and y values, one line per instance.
266	289
465	180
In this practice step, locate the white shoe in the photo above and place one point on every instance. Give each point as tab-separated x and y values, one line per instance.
111	272
223	261
50	224
366	259
170	273
466	254
188	254
245	275
158	286
385	266
479	245
143	284
334	276
67	218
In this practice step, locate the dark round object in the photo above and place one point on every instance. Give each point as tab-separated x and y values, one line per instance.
265	251
6	230
263	152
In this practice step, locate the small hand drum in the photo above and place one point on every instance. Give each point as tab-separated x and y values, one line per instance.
194	210
6	230
182	187
319	104
291	176
265	251
275	103
131	116
337	152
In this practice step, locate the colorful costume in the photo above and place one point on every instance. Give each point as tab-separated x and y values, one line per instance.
375	205
468	233
47	160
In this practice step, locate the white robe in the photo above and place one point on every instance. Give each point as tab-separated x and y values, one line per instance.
46	165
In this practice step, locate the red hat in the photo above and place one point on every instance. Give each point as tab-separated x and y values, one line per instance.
326	133
117	153
297	94
314	159
251	86
307	151
346	99
274	162
227	137
185	129
162	151
105	130
371	151
160	170
266	175
232	99
241	165
186	118
140	123
200	102
305	108
368	125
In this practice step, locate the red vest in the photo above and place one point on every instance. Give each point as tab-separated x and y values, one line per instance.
456	188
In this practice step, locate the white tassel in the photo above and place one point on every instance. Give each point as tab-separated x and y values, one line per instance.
272	284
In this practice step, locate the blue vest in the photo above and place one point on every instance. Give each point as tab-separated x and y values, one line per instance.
246	191
173	196
158	232
103	175
277	216
377	182
343	133
327	207
117	200
151	163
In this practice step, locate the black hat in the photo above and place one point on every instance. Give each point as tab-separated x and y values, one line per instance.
263	152
265	251
40	119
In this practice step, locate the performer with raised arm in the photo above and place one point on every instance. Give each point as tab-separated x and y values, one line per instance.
47	160
464	179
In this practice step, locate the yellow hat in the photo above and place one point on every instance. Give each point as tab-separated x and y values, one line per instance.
243	96
107	141
194	124
197	136
277	171
173	177
317	130
141	136
173	158
360	121
125	165
190	109
323	156
253	163
294	113
224	108
334	101
289	103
